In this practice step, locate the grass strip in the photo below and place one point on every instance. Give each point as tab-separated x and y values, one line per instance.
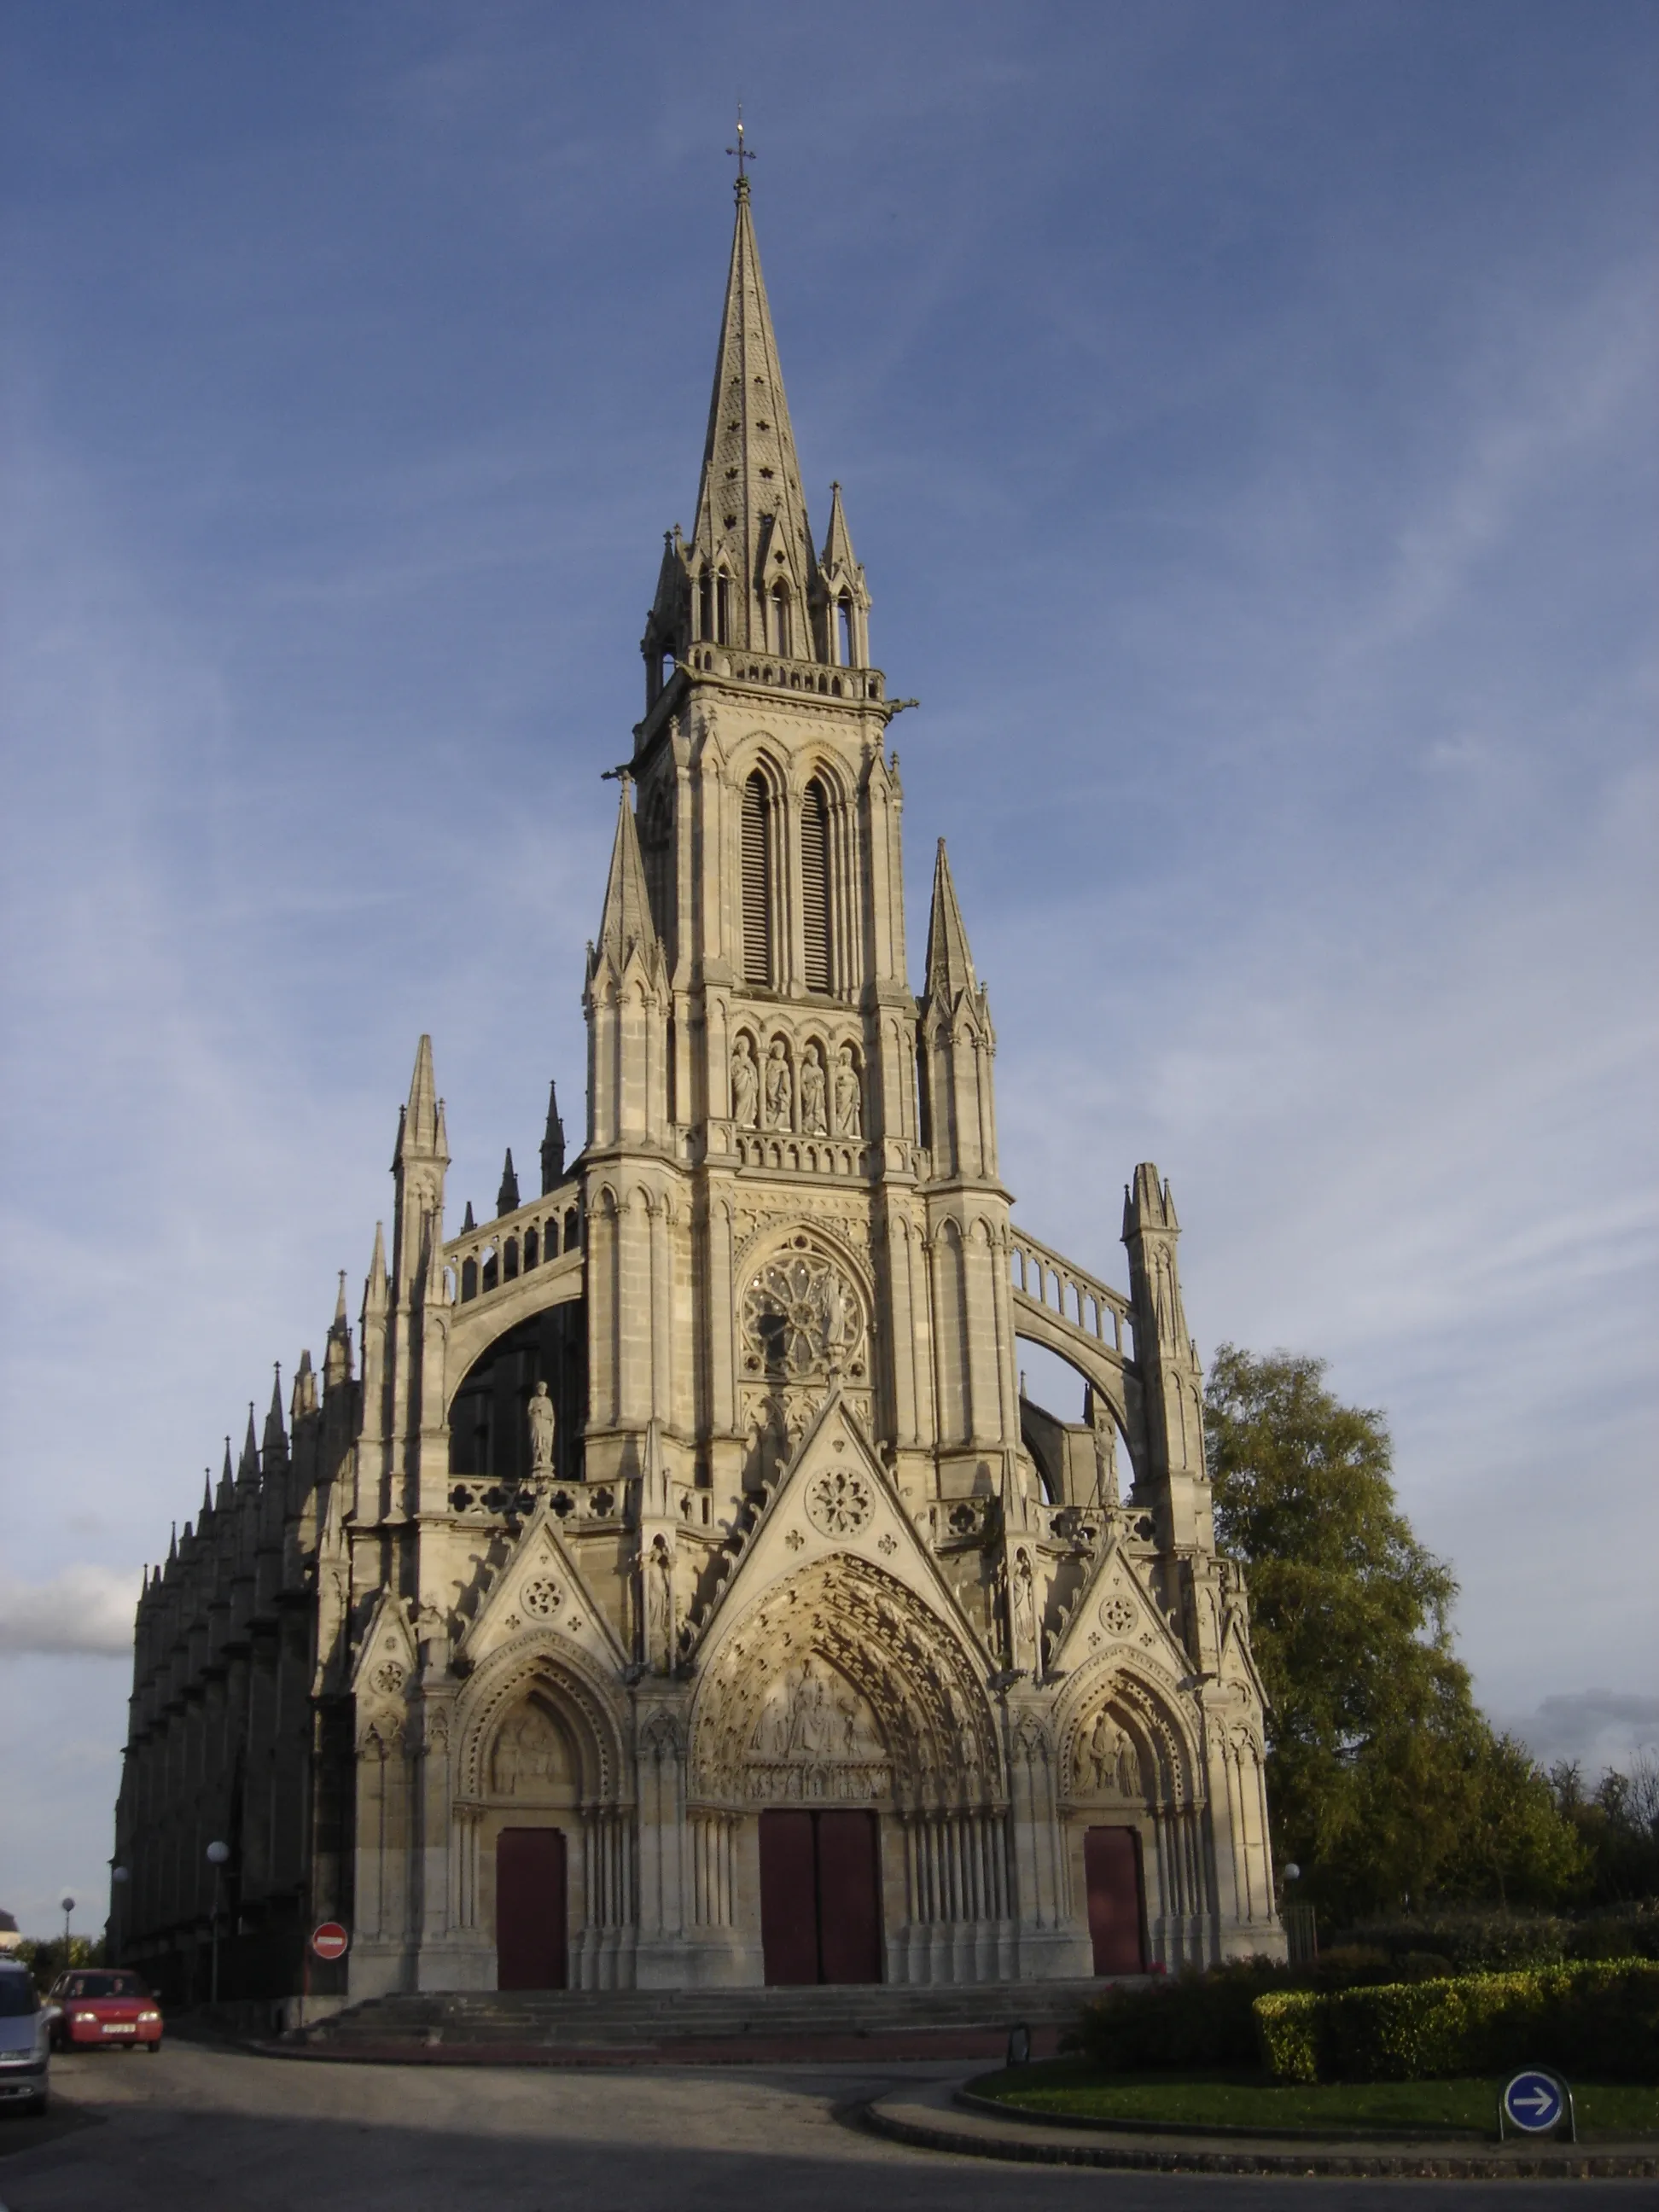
1069	2089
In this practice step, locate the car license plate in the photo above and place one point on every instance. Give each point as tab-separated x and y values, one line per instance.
118	2028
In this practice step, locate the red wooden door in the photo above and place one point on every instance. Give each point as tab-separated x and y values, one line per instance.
849	1898
820	1897
530	1909
789	1905
1111	1866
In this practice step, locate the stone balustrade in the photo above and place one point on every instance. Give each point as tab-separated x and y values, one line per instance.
486	1259
784	675
1075	1297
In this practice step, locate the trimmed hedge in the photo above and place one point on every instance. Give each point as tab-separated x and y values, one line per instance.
1199	2018
1473	1941
1595	2017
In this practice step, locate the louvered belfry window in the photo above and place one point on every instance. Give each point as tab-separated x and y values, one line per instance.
815	886
757	883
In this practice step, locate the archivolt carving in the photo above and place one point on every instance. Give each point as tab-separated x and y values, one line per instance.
844	1620
556	1678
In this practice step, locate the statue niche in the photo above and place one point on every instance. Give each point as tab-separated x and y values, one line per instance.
532	1760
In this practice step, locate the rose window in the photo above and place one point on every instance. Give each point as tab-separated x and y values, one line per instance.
800	1317
838	1503
387	1679
541	1597
1118	1615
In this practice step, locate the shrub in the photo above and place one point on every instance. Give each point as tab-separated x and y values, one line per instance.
1472	1943
1624	1931
1193	2019
1599	2017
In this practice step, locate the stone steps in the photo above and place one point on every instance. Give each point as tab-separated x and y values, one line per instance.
581	2018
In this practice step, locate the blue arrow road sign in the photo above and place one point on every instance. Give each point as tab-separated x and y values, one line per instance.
1534	2102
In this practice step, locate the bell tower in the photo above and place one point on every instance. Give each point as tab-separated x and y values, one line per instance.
766	816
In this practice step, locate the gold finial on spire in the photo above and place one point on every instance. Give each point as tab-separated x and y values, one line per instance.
745	153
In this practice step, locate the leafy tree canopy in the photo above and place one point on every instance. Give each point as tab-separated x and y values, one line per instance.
1386	1783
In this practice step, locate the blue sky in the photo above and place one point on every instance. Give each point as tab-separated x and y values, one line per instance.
1246	418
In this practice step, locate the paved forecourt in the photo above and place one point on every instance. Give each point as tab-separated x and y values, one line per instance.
229	2132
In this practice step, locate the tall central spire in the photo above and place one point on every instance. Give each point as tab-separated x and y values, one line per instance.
751	514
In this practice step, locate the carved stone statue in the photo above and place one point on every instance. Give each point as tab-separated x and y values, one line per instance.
849	1096
745	1085
658	1573
780	1087
543	1423
1128	1768
1024	1609
813	1119
1105	1437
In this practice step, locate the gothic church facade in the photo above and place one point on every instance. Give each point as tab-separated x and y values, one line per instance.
670	1586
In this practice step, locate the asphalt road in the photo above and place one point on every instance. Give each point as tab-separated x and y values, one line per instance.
225	2131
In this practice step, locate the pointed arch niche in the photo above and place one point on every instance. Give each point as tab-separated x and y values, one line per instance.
540	1748
760	845
1128	1761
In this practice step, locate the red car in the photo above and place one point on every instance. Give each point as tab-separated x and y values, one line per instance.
99	2004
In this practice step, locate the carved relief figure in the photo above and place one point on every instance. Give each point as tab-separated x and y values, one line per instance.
528	1759
745	1084
780	1087
543	1422
849	1096
815	1716
813	1118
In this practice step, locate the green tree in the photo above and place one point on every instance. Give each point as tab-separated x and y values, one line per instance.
1618	1823
1385	1782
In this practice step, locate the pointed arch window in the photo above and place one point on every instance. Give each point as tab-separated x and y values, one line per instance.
705	607
781	625
815	887
722	607
845	634
757	881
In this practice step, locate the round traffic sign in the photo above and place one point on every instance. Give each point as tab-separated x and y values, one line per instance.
330	1941
1534	2102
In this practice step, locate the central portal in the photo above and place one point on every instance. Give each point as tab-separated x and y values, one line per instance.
820	1897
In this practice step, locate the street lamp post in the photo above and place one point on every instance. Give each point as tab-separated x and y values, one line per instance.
217	1854
119	1877
69	1907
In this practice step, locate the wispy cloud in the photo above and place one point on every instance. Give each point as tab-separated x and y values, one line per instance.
1597	1728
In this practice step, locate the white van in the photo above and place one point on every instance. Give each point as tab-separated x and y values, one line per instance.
24	2030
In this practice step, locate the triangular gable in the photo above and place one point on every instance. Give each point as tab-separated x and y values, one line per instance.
836	1496
539	1585
1235	1665
1117	1610
386	1657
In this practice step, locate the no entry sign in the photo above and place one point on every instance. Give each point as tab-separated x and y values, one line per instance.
330	1941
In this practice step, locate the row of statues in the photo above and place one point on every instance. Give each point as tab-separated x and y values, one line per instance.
763	1096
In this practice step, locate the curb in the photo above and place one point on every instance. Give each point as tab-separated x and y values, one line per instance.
1156	2155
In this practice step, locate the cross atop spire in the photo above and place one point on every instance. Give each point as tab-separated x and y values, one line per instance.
745	153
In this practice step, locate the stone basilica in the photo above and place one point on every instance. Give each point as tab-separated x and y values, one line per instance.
671	1585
